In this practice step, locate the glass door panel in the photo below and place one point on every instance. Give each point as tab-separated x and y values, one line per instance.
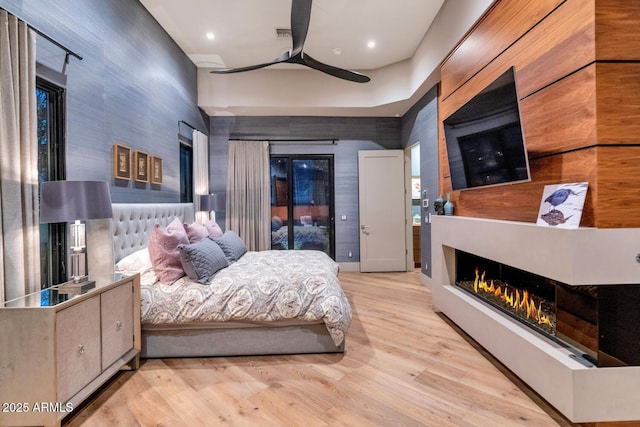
280	178
311	204
302	203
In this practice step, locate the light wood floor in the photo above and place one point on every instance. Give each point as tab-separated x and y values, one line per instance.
404	365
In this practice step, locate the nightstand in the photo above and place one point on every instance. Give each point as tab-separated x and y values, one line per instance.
57	348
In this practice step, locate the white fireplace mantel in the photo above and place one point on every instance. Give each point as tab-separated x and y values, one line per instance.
584	256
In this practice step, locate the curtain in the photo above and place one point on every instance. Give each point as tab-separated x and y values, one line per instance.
248	193
200	172
19	210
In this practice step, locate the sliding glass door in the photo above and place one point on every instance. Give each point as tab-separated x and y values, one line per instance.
302	212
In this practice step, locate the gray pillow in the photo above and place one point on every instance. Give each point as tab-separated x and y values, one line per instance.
201	260
232	245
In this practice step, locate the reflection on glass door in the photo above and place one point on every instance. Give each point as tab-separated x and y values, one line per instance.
302	203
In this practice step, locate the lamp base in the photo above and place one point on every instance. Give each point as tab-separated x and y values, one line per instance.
75	288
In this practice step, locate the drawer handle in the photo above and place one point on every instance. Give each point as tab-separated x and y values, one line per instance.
118	325
81	349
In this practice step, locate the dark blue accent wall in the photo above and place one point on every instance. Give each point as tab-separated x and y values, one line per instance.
351	133
420	124
132	88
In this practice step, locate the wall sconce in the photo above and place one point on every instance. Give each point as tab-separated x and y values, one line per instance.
212	203
74	201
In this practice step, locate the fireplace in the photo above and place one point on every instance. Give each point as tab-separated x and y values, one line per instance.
601	325
526	297
581	349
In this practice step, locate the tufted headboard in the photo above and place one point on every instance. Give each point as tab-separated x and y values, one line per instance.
133	222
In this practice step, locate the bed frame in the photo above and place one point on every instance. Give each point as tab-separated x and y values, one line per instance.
132	225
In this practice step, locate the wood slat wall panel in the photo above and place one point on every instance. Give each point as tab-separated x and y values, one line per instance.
520	202
581	117
555	48
617	29
504	23
561	117
618	187
618	94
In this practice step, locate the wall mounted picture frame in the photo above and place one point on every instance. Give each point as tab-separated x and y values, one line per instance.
156	169
141	166
121	162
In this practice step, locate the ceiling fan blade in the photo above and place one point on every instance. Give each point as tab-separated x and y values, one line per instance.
285	57
333	71
300	18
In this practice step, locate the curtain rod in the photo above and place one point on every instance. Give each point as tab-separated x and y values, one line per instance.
182	121
48	38
322	141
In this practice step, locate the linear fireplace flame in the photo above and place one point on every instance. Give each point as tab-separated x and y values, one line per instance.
521	303
527	297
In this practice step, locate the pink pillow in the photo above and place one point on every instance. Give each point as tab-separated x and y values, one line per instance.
214	229
164	251
196	232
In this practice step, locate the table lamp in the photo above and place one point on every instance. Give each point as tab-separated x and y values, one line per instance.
212	202
75	201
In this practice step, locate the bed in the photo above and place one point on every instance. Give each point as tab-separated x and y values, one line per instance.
238	311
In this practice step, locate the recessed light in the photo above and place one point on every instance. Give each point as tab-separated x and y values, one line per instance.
211	36
337	51
371	44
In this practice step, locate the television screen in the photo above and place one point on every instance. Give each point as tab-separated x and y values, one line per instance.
485	144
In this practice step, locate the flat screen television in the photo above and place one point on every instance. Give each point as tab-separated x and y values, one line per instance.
484	138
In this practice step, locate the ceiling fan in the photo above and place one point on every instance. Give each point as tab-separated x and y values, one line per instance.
300	17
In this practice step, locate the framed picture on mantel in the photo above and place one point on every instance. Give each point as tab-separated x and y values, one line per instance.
561	205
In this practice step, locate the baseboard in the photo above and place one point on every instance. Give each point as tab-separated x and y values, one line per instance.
349	266
426	281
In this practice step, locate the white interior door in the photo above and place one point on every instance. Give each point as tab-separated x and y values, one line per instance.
382	210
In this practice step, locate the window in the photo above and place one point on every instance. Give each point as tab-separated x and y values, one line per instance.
50	133
186	173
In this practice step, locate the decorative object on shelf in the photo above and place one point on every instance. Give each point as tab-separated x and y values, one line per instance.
438	205
141	166
156	170
121	162
66	201
212	203
562	204
448	206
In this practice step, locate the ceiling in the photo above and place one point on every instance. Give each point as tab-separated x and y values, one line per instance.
244	33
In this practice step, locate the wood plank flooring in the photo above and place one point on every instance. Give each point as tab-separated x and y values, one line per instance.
404	365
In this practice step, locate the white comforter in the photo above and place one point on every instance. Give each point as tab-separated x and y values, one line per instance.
261	286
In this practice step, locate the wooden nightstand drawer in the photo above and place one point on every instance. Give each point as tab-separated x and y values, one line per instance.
77	347
116	308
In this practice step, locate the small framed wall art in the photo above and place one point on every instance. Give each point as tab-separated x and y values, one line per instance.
121	162
156	170
141	168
